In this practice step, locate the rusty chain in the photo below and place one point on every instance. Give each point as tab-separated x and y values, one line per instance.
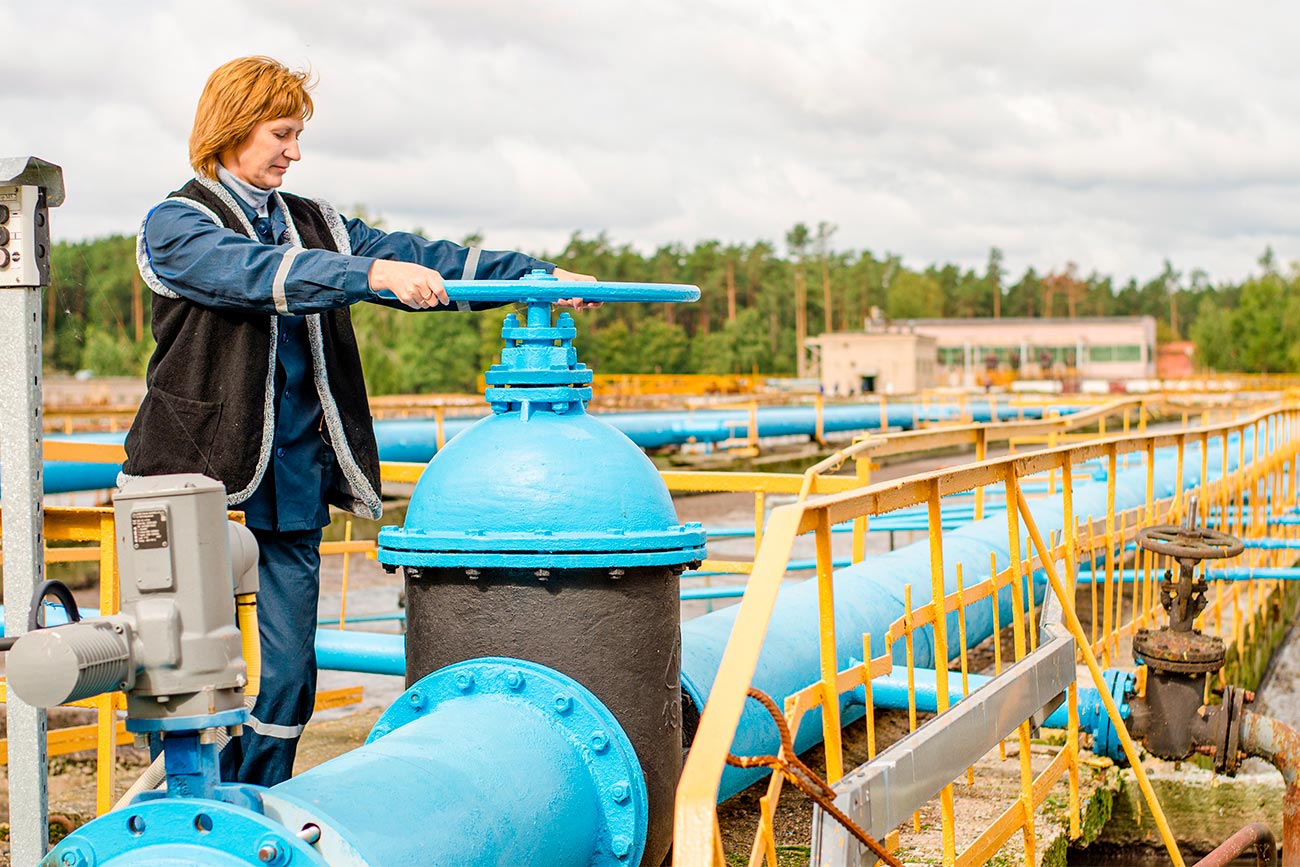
804	779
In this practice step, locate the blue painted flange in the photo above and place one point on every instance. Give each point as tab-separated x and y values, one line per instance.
568	708
556	491
1093	716
172	831
233	717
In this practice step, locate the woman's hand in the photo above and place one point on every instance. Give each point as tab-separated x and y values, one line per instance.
575	303
414	285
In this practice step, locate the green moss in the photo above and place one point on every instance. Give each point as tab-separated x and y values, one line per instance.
1055	854
1096	813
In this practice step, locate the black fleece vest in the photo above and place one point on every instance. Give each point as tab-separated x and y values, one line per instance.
209	407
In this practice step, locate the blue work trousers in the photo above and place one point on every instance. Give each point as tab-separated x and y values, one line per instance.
289	572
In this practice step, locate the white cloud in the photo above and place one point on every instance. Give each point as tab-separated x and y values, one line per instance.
1113	135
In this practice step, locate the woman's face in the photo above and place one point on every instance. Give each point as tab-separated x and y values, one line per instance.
264	157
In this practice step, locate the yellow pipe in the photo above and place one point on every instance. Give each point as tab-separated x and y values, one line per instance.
343	594
251	644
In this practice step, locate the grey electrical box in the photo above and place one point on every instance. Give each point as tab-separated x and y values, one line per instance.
175	572
174	648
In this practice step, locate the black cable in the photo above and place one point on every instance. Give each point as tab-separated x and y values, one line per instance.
61	593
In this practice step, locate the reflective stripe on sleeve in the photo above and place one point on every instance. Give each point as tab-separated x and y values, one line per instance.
471	269
281	275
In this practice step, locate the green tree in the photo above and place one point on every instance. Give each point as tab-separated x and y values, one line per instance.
914	296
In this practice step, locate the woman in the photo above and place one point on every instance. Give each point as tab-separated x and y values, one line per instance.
256	380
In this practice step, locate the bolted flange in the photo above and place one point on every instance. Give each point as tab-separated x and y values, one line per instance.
1172	651
181	831
599	742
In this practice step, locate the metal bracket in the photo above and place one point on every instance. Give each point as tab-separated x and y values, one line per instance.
884	792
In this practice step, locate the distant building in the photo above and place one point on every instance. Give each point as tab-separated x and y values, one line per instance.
915	354
1174	360
877	362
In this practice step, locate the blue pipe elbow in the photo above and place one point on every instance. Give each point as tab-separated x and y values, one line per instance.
485	762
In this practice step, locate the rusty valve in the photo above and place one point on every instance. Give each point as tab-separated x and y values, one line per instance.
1184	598
1189	543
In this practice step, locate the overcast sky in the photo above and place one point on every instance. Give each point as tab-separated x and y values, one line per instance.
1115	135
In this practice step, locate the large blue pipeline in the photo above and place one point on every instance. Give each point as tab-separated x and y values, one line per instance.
415	439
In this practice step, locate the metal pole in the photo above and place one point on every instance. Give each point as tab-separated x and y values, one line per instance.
20	479
28	186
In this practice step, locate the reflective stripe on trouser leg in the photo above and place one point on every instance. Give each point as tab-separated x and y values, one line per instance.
289	570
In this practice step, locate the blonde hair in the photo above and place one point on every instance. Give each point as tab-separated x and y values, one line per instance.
238	96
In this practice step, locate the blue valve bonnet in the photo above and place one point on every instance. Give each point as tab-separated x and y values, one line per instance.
539	366
540	484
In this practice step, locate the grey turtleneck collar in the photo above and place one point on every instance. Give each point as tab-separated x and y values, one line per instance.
255	197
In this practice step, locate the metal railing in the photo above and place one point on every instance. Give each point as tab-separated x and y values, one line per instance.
1240	500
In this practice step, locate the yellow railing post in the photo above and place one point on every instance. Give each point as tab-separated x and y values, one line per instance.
829	655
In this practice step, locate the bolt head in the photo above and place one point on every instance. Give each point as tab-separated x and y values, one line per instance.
515	680
620	846
599	741
620	792
464	681
416	700
268	853
563	704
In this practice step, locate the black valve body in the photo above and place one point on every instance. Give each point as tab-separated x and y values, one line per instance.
617	632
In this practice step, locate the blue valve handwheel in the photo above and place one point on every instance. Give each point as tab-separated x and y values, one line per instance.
545	289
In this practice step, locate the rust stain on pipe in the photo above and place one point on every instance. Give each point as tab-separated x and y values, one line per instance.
1257	835
1279	745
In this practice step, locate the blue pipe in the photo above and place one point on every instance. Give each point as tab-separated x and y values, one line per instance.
891	692
415	439
518	763
1239	573
364	652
